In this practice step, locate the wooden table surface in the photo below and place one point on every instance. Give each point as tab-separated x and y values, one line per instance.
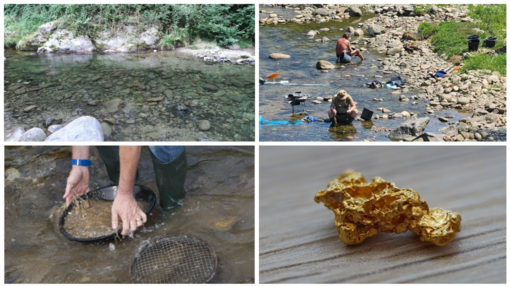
299	242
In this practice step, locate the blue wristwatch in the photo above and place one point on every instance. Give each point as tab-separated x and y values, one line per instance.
81	162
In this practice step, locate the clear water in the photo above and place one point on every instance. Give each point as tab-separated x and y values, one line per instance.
300	71
62	86
219	207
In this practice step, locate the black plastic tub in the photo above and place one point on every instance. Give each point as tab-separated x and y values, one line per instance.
490	42
473	37
108	193
367	114
473	45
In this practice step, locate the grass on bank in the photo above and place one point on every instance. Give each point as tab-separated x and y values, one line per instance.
450	38
224	24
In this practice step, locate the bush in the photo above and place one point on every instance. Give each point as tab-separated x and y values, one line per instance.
419	11
226	24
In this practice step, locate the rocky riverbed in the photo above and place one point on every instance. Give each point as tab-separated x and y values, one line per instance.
390	36
164	96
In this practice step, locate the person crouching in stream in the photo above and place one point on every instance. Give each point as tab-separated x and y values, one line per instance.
343	108
344	52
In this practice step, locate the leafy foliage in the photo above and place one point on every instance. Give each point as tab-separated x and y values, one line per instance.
226	24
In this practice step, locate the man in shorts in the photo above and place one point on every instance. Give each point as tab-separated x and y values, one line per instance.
344	52
343	108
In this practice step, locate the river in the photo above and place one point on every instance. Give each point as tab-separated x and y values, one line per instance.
67	86
302	75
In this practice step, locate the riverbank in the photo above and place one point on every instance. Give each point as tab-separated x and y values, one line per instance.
111	28
481	93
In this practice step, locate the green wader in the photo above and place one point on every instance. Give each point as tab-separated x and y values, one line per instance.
170	178
110	156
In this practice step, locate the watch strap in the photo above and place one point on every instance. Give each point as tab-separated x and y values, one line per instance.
81	162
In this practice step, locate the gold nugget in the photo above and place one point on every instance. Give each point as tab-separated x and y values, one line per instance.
363	209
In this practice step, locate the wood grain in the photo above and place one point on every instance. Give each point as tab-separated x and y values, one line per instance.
299	242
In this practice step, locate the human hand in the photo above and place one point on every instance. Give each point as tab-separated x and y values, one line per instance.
77	183
125	207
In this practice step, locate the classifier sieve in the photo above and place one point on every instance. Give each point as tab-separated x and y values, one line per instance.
174	258
108	193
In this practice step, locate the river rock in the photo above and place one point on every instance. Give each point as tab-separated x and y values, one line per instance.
324	65
156	99
64	41
204	125
110	121
12	174
277	56
409	36
463	100
20	91
51	121
107	130
358	32
493	79
54	128
374	29
127	39
15	135
393	51
48	28
168	93
443	119
33	135
321	11
312	33
355	11
211	88
113	105
81	129
29	108
409	129
31	42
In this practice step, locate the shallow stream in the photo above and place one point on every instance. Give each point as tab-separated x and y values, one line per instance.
302	75
72	85
219	207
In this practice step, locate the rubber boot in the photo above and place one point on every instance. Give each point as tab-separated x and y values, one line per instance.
170	178
110	156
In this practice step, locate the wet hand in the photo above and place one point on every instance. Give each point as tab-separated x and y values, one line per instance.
125	207
77	183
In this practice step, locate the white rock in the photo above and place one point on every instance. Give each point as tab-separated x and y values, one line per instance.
81	129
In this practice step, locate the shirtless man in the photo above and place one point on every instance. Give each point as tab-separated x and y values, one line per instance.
343	108
344	50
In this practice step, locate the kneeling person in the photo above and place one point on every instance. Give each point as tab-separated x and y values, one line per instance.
343	108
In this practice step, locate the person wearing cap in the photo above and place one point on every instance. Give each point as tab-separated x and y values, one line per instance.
344	52
343	108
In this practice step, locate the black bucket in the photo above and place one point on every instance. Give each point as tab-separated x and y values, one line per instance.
473	37
473	45
344	119
366	114
108	193
490	42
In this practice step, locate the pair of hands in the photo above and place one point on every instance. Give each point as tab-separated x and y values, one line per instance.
124	205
